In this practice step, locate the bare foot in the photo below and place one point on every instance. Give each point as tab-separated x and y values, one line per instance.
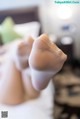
45	60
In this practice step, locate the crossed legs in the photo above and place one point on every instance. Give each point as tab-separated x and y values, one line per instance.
38	61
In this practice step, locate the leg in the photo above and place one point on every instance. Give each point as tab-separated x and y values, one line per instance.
45	60
11	87
17	90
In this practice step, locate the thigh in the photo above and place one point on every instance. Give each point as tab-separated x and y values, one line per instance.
11	85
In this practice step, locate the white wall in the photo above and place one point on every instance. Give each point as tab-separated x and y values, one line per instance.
52	24
12	4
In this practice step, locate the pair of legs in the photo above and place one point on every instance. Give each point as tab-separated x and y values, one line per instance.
37	62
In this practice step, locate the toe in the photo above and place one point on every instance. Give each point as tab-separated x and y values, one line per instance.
29	40
23	52
42	42
25	46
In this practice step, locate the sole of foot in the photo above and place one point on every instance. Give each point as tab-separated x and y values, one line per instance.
45	60
23	52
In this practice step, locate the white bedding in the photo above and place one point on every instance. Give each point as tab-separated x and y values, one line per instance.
28	29
41	108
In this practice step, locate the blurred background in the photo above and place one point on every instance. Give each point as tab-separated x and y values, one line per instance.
21	18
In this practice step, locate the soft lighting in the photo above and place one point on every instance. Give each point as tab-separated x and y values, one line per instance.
64	12
66	40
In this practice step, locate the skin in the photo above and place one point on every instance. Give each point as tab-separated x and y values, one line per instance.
23	85
48	59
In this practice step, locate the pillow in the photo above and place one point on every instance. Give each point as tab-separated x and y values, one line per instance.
7	31
8	23
28	29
